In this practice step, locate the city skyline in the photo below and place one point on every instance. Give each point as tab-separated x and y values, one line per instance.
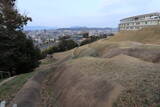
89	13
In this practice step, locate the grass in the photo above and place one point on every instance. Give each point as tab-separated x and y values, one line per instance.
8	90
133	71
47	61
139	78
146	35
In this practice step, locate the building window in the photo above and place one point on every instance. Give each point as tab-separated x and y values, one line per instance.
146	22
136	18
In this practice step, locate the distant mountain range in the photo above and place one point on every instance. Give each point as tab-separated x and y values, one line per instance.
88	28
39	28
71	28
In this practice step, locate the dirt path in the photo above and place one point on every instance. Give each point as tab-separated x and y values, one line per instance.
30	94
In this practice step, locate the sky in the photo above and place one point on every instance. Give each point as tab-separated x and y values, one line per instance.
89	13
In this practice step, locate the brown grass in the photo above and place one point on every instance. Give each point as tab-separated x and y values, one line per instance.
122	71
146	35
105	49
91	82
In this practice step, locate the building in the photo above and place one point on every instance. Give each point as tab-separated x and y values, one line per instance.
139	22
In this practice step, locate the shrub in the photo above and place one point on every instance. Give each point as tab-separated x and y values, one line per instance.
89	40
63	45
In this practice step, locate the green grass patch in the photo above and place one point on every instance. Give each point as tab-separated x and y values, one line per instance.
9	89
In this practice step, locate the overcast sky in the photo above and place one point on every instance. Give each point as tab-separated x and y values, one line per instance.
90	13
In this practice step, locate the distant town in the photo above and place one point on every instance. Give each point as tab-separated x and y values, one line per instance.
47	38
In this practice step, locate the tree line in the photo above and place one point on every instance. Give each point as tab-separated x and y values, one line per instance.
65	43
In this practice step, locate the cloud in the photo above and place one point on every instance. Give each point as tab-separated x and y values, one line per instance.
84	12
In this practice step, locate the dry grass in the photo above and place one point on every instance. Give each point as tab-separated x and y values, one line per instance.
122	62
121	71
140	79
146	35
62	55
105	49
97	82
73	87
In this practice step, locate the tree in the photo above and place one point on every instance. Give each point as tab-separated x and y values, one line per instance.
86	35
11	20
17	52
65	45
89	40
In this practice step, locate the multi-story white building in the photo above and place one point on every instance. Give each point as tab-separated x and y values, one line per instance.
140	21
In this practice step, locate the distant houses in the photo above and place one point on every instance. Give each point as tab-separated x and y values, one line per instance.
47	38
139	22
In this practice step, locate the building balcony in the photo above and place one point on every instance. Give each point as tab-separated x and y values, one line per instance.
135	21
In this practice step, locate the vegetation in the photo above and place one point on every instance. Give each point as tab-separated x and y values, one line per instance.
90	40
8	89
18	54
66	43
132	69
93	38
63	45
145	35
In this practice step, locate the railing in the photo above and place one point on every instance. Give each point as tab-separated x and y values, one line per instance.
134	21
3	104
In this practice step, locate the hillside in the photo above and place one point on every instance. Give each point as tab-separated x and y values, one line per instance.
118	72
146	35
122	71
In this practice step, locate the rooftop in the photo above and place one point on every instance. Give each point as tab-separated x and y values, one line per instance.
155	13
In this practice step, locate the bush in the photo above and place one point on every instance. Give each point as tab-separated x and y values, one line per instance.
63	45
89	40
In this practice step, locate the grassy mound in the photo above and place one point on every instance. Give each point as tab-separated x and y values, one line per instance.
97	82
146	35
122	71
105	49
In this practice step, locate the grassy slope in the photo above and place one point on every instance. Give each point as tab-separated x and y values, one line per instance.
140	79
8	90
135	72
146	35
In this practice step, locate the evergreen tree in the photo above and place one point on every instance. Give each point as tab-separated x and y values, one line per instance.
17	52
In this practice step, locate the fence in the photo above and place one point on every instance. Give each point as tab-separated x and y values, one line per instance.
3	104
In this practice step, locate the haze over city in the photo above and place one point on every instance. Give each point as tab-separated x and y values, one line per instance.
89	13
